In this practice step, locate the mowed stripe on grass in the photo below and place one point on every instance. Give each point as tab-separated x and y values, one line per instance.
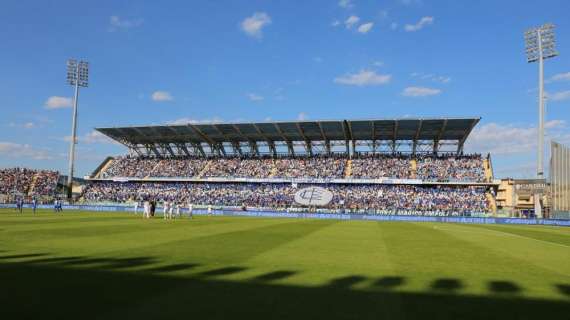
423	259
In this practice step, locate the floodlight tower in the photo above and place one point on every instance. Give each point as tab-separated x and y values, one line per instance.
540	45
77	76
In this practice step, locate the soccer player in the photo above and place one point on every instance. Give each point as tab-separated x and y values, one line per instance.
177	210
170	210
209	209
34	204
190	209
165	209
20	205
136	207
146	209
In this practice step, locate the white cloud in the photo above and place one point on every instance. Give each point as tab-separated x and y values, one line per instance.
118	23
91	138
182	121
253	26
255	97
347	4
364	28
26	125
364	78
302	116
351	21
503	139
161	96
432	77
16	150
424	21
554	124
56	102
560	77
559	96
420	92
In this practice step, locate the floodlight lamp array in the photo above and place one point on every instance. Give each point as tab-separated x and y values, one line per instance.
77	71
547	43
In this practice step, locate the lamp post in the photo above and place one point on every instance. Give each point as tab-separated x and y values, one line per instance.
77	76
540	45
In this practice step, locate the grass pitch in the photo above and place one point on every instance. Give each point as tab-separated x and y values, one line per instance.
117	266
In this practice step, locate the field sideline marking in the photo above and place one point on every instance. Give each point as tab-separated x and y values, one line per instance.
505	233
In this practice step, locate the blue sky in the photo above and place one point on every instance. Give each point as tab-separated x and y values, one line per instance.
159	62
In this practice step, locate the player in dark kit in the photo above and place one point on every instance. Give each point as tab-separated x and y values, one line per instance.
20	205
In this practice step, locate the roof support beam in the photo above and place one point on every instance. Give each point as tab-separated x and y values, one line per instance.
198	148
467	132
325	139
202	135
169	149
182	147
270	142
373	136
272	148
395	136
308	146
253	147
416	137
347	130
287	141
152	148
438	138
237	148
220	147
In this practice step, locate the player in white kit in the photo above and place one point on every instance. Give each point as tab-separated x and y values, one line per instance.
164	210
146	208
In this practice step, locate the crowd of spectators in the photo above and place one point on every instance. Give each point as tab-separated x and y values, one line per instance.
177	168
28	181
134	167
45	183
381	166
240	167
310	167
352	197
451	168
431	168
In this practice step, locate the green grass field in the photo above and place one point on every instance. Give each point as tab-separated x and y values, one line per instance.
117	266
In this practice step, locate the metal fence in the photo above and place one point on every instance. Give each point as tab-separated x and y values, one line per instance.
560	180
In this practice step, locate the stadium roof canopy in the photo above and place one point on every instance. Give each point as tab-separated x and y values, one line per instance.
294	137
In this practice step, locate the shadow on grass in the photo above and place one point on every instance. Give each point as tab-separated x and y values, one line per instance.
504	287
80	287
446	284
564	289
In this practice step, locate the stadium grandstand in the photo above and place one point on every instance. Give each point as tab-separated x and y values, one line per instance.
382	166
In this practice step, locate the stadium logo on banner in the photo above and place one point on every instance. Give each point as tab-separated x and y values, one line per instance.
313	196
